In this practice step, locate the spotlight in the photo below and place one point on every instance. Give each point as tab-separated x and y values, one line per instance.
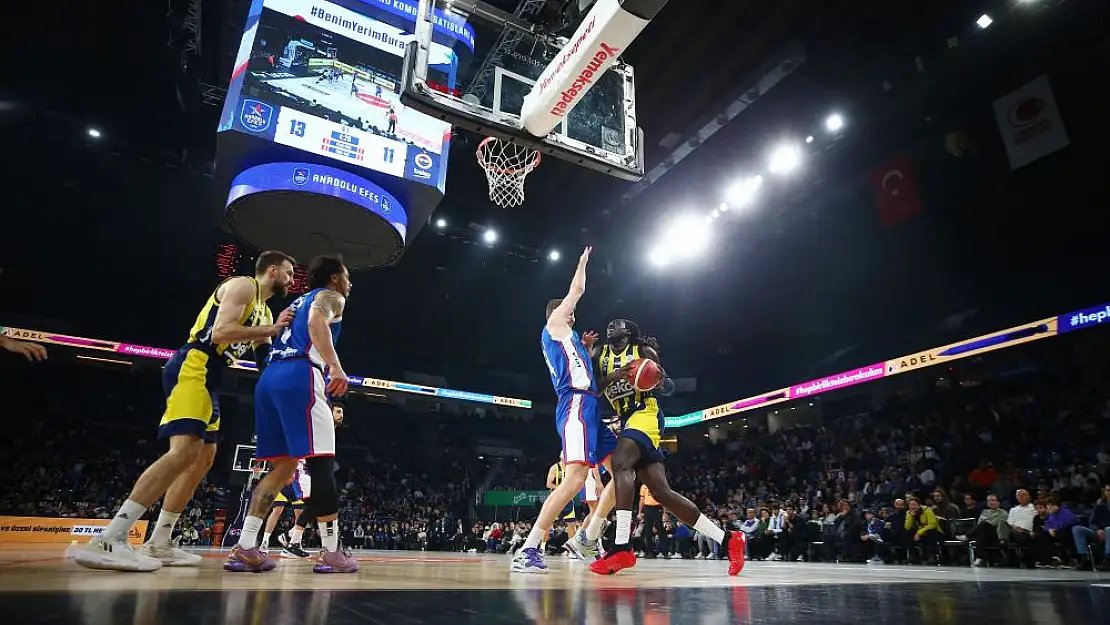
723	206
441	223
659	257
689	236
94	133
809	139
744	191
984	21
785	159
834	122
553	255
490	236
715	214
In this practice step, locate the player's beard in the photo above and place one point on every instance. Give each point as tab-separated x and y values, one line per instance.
281	289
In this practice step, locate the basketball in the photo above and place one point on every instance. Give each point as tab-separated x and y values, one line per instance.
646	374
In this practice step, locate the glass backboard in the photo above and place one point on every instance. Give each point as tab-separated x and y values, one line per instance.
480	86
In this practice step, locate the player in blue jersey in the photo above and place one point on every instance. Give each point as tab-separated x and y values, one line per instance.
293	419
586	442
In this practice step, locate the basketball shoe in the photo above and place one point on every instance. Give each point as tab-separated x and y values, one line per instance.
735	544
295	551
614	561
169	554
338	561
583	547
528	561
114	555
248	561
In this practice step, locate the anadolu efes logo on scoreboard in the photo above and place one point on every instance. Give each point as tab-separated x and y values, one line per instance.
593	49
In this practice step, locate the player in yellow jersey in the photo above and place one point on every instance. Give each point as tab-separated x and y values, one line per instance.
233	321
638	454
569	515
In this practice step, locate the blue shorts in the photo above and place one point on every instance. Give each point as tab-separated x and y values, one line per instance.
585	439
292	417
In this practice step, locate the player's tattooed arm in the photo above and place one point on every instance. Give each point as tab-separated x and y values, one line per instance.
330	303
326	306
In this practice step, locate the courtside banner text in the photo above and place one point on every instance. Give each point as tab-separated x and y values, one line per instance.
519	498
32	529
1017	335
51	338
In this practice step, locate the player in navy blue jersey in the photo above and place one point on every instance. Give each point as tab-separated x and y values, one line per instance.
293	419
586	442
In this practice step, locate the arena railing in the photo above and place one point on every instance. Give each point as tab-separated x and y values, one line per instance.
161	353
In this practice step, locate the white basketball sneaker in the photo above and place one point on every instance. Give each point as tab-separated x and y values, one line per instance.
114	555
169	554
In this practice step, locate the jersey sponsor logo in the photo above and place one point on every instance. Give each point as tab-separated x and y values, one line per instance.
256	116
619	389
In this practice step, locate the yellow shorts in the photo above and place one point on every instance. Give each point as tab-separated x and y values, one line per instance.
192	406
646	428
282	500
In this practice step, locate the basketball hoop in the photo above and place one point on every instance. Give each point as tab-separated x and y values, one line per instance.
506	165
258	469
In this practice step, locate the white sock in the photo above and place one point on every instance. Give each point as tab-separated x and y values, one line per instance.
709	529
295	535
624	527
125	518
163	530
535	537
266	539
329	535
595	528
248	539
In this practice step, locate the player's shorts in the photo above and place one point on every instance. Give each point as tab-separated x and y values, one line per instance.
569	513
588	493
192	406
645	427
585	439
284	500
291	413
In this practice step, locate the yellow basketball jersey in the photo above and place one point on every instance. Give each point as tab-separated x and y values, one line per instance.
622	396
200	335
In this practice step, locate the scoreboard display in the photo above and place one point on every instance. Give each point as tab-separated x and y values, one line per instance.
324	77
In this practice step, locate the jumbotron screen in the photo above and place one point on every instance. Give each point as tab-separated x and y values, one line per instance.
325	77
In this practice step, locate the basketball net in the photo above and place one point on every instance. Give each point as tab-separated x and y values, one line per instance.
507	165
258	469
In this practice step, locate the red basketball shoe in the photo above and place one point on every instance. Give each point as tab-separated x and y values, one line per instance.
737	542
613	562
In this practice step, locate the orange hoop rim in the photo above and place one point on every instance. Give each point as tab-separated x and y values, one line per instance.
510	171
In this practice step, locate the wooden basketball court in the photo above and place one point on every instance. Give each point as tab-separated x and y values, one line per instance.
43	586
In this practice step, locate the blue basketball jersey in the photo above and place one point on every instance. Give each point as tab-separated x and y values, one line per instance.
294	342
568	360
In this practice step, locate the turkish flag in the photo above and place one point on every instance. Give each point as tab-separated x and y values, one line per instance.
895	192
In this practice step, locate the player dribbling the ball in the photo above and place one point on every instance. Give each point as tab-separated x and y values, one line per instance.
638	454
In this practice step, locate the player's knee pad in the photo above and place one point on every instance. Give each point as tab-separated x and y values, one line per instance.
325	493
